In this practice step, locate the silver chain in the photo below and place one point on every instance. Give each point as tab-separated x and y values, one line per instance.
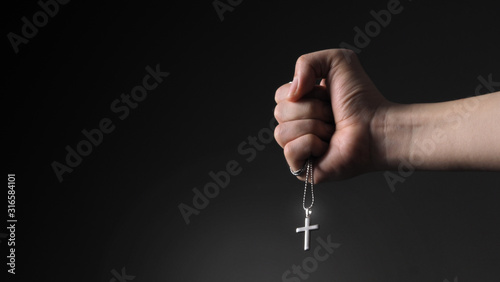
309	176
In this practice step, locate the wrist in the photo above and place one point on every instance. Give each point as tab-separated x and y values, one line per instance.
392	129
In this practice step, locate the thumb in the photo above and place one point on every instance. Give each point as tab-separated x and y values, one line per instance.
313	66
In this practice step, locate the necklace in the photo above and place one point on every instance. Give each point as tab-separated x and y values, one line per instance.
307	227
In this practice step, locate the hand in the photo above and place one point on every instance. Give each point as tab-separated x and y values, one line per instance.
331	122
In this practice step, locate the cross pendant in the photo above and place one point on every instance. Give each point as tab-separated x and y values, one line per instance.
306	228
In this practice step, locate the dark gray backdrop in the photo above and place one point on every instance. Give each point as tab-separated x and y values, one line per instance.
117	211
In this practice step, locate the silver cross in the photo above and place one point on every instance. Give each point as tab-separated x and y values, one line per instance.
306	228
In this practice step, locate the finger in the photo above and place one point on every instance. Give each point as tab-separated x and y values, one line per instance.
318	92
303	109
289	131
299	150
313	66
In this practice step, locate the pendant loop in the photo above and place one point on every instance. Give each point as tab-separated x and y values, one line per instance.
308	212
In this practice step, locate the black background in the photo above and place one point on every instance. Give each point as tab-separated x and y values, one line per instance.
119	207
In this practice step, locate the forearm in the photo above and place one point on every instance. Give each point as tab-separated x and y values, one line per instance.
454	135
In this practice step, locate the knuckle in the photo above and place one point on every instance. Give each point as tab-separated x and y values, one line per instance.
277	112
277	94
288	151
348	52
280	111
302	60
278	133
345	55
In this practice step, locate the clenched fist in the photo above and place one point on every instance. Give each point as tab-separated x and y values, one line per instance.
331	121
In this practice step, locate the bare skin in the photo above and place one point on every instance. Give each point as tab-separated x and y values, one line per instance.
349	128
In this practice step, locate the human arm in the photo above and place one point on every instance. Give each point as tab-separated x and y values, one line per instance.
350	128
